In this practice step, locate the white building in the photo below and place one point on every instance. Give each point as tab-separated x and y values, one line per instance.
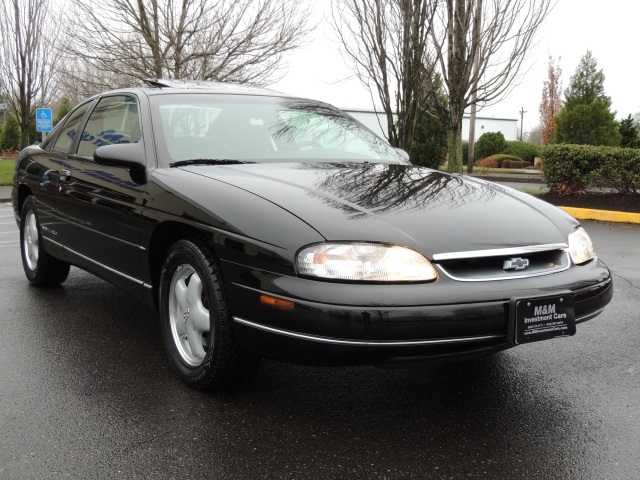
377	122
508	127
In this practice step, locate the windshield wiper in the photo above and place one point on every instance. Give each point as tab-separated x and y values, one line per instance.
206	161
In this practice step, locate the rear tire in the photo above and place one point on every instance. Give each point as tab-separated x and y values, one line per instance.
40	268
196	321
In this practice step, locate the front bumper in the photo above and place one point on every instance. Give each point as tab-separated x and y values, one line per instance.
366	331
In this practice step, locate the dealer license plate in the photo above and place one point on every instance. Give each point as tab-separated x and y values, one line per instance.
541	318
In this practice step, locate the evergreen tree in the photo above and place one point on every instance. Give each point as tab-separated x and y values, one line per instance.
10	135
586	118
629	133
34	135
65	107
489	144
429	147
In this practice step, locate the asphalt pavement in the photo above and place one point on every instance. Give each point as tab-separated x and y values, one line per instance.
86	392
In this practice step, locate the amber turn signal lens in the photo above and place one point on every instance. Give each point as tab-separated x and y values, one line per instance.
276	302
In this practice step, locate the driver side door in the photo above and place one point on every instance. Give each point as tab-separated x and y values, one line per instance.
101	205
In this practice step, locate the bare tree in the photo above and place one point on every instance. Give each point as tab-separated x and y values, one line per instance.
480	48
535	135
228	40
386	44
79	80
27	59
551	103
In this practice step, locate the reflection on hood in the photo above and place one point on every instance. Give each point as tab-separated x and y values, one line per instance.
384	189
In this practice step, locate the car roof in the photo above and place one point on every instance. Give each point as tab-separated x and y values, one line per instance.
168	86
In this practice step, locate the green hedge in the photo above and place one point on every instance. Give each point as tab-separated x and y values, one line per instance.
525	150
570	169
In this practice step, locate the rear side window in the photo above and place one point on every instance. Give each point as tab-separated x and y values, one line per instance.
114	120
70	129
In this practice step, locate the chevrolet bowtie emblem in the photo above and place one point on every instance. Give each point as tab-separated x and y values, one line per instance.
515	264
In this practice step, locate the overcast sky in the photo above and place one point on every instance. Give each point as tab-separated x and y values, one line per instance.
607	28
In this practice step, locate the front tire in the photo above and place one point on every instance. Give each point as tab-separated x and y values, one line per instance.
40	268
195	319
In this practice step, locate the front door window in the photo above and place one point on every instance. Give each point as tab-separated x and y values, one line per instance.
114	120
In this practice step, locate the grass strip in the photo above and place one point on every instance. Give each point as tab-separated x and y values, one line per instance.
6	171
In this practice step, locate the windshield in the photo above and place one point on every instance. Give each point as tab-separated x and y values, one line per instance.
201	126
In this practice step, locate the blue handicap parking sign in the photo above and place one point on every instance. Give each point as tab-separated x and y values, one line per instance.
44	120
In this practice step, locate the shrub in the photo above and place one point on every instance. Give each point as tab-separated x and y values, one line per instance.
525	150
515	164
501	157
570	169
9	154
10	135
488	162
489	144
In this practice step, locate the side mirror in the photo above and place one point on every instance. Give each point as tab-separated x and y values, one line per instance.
127	155
403	154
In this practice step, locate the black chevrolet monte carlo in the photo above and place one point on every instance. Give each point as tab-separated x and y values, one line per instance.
257	224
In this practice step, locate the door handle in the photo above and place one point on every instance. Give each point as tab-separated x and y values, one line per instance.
65	175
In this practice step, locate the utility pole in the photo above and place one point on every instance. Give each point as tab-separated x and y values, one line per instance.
522	112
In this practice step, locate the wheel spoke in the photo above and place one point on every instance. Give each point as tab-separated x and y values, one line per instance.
198	314
200	317
188	315
194	339
180	294
180	327
194	291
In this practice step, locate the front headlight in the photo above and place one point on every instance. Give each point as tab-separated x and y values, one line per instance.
366	262
580	246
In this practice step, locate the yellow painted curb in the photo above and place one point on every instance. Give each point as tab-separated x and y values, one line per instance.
602	215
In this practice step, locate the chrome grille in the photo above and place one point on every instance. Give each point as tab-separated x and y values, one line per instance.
488	265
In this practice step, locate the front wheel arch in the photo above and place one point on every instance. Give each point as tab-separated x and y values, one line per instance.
164	236
196	319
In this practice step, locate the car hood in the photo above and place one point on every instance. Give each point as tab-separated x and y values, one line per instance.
431	211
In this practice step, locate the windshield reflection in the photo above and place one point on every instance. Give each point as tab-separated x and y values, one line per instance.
311	125
262	129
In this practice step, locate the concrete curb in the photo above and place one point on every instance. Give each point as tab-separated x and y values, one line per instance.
512	178
602	215
5	194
